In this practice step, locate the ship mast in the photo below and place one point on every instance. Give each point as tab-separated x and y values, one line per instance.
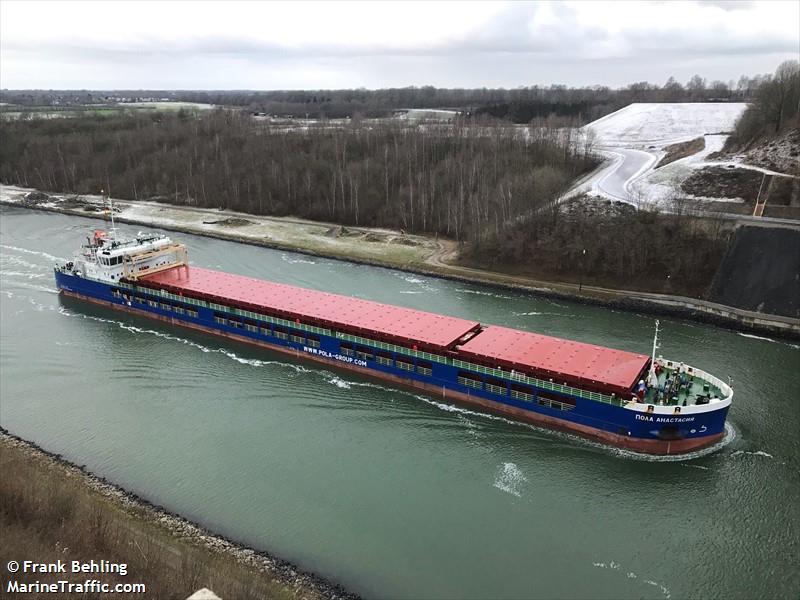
653	378
655	341
111	210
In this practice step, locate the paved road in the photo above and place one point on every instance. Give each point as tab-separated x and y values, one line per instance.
616	181
626	165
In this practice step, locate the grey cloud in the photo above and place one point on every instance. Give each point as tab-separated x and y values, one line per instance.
502	52
508	32
729	5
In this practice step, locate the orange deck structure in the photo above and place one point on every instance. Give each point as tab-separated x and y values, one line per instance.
398	325
563	361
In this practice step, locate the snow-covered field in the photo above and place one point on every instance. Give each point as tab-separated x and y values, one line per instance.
659	185
163	105
634	139
653	126
428	114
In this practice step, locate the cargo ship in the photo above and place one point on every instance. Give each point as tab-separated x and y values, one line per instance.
641	402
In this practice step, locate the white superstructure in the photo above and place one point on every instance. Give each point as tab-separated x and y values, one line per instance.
106	258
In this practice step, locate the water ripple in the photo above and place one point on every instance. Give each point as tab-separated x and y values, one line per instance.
510	478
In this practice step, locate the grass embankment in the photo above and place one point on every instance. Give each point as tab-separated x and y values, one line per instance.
371	245
51	510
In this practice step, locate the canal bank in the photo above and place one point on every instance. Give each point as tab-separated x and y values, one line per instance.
171	555
391	249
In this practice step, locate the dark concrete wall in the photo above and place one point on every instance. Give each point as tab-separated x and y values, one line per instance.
761	271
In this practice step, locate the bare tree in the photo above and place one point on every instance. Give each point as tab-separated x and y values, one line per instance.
784	92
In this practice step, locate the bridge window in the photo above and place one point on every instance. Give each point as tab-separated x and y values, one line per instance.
219	319
281	333
178	309
313	341
250	326
347	349
152	303
265	329
235	323
165	306
192	312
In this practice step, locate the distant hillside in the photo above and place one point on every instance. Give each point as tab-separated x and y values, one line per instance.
779	152
653	125
767	132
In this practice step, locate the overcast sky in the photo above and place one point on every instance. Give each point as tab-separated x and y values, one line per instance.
263	45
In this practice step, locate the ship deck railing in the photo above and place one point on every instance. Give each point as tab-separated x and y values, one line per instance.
700	384
409	352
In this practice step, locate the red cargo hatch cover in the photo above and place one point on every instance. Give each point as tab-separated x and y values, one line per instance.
561	360
405	325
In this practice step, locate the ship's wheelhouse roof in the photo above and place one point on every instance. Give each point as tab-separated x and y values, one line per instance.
564	361
354	315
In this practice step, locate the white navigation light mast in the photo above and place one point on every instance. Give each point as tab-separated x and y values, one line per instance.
111	209
655	341
653	377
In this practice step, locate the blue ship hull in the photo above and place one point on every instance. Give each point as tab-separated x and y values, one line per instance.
609	423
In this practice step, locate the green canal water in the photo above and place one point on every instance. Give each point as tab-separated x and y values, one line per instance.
390	493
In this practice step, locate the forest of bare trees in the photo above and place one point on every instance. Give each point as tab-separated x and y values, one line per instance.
610	244
493	187
775	107
488	184
519	105
464	180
